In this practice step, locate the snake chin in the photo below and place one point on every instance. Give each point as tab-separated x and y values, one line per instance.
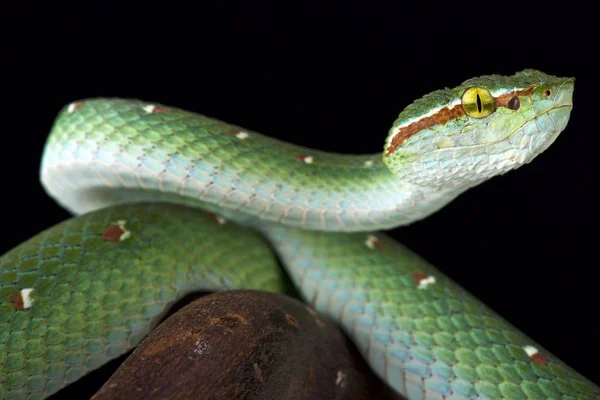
559	116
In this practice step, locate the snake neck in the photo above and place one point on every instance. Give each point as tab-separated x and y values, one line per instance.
109	151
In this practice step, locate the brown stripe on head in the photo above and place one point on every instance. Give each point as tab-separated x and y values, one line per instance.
444	116
439	118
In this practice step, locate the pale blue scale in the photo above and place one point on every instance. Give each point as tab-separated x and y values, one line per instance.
382	336
361	335
128	160
281	195
314	202
442	370
398	351
287	191
147	179
463	388
346	318
315	275
338	303
403	336
354	306
437	385
214	194
417	367
545	124
299	200
115	350
152	164
341	295
322	299
329	285
377	356
294	214
366	320
359	296
82	154
444	164
181	160
373	308
387	323
224	180
423	354
245	189
394	372
314	215
264	192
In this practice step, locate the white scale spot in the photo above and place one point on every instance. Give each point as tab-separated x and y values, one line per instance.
371	241
242	135
126	234
72	107
530	350
220	220
341	379
368	163
149	108
308	159
423	283
26	296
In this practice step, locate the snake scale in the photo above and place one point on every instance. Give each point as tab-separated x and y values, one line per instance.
169	202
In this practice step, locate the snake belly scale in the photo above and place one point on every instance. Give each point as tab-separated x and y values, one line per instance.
168	202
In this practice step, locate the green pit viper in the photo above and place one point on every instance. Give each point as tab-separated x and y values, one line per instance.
171	202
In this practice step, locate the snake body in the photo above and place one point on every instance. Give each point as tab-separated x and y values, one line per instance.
171	202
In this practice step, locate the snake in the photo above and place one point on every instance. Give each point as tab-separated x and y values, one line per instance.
167	202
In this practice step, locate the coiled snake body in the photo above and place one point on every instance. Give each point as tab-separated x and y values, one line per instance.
92	287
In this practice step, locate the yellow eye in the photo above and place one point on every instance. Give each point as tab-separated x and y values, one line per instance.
478	102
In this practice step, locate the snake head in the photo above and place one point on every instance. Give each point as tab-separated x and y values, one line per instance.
458	137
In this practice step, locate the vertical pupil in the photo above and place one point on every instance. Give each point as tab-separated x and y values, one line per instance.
479	106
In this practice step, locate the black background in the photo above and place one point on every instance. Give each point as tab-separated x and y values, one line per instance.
335	78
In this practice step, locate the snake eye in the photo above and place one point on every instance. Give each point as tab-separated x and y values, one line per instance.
478	102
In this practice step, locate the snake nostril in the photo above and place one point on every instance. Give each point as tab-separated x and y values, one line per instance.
547	93
514	103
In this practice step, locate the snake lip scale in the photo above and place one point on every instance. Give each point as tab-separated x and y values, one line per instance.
168	202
